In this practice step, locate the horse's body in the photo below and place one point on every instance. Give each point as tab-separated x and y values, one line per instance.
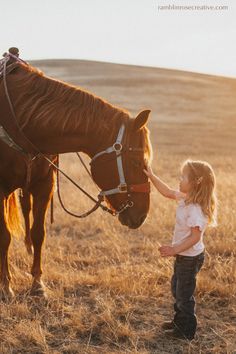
59	118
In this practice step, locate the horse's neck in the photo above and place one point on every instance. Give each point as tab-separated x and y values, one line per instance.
91	142
56	133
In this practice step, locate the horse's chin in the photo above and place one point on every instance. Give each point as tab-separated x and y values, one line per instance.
130	221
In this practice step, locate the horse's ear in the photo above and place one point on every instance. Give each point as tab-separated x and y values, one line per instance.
141	119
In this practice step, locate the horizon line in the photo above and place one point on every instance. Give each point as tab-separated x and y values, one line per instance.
137	65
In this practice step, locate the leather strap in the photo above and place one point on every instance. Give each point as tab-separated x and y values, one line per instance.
140	188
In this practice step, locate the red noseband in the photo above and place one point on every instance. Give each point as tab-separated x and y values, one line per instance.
140	188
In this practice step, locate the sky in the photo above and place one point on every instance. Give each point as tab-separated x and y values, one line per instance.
138	32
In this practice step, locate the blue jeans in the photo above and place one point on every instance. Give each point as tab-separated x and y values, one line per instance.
183	284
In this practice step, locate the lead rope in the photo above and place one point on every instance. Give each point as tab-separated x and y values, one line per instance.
86	168
127	204
98	202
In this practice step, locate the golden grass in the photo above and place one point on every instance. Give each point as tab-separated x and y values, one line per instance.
109	289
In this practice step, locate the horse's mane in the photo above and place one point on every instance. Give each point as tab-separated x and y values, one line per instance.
67	106
64	107
147	146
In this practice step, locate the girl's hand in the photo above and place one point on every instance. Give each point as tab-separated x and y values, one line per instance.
167	251
148	171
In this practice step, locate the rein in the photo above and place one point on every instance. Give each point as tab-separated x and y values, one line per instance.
117	147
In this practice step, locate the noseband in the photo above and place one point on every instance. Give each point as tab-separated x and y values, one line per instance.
122	187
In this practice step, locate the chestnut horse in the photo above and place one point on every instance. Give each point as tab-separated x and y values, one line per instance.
60	118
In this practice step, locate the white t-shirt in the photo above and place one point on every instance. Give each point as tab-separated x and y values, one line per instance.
187	216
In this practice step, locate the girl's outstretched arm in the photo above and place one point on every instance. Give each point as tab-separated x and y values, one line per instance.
161	186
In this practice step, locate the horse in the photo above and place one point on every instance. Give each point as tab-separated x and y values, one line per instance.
57	118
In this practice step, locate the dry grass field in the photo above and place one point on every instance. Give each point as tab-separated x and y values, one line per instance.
108	287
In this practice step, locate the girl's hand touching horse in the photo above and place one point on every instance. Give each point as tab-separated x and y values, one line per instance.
148	171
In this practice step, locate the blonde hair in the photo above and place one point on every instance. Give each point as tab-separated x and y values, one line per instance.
203	185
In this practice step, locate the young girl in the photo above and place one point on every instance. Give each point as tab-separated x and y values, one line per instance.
197	206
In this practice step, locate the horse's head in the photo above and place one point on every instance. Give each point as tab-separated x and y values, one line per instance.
118	171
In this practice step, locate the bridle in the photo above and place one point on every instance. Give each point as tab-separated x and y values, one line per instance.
117	147
122	187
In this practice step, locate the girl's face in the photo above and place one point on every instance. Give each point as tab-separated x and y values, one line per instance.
184	184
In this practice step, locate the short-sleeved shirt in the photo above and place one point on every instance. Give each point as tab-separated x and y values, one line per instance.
187	216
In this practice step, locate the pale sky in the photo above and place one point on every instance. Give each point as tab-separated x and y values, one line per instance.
124	31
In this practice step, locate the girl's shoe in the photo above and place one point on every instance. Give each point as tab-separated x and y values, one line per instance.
167	326
179	335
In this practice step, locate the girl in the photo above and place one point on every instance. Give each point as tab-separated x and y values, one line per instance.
197	206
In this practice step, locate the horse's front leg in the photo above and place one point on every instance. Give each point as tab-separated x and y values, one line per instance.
41	193
6	293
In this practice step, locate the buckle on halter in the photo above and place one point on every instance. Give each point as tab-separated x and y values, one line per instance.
122	188
117	147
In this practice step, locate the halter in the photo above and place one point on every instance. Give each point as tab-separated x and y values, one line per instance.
122	187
